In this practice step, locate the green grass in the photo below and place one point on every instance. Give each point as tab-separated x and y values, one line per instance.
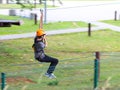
29	25
9	6
17	6
112	22
75	69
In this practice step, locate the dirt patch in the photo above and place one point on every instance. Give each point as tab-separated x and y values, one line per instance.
15	80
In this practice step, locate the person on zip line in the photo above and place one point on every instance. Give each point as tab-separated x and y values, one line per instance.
39	44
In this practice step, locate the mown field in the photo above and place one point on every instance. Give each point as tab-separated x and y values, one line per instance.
112	22
76	62
76	54
29	26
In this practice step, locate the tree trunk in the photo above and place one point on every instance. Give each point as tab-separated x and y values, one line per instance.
40	1
34	3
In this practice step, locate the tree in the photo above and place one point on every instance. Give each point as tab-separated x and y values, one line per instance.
24	6
58	1
40	1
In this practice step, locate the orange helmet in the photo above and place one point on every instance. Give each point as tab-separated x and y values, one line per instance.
40	32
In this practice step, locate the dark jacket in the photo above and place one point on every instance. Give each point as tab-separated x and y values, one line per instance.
38	49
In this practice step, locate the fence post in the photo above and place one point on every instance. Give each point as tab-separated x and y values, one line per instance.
115	18
96	70
35	19
98	58
2	81
89	29
119	17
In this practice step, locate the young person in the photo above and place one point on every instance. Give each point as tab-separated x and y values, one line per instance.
39	44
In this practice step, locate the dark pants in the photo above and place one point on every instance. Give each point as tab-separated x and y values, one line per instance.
53	62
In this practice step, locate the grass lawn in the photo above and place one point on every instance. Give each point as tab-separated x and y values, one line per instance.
75	70
17	6
112	22
29	25
27	6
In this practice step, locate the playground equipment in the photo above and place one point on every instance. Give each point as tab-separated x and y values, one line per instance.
8	23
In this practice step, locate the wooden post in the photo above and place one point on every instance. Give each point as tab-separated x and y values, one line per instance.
89	29
98	58
115	18
35	19
119	17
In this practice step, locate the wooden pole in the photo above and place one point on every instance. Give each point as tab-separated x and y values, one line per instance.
115	18
89	29
98	58
35	19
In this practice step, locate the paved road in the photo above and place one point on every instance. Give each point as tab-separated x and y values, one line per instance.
105	25
54	32
77	11
84	11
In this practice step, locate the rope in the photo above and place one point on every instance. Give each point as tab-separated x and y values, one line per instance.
76	62
36	70
39	62
70	59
